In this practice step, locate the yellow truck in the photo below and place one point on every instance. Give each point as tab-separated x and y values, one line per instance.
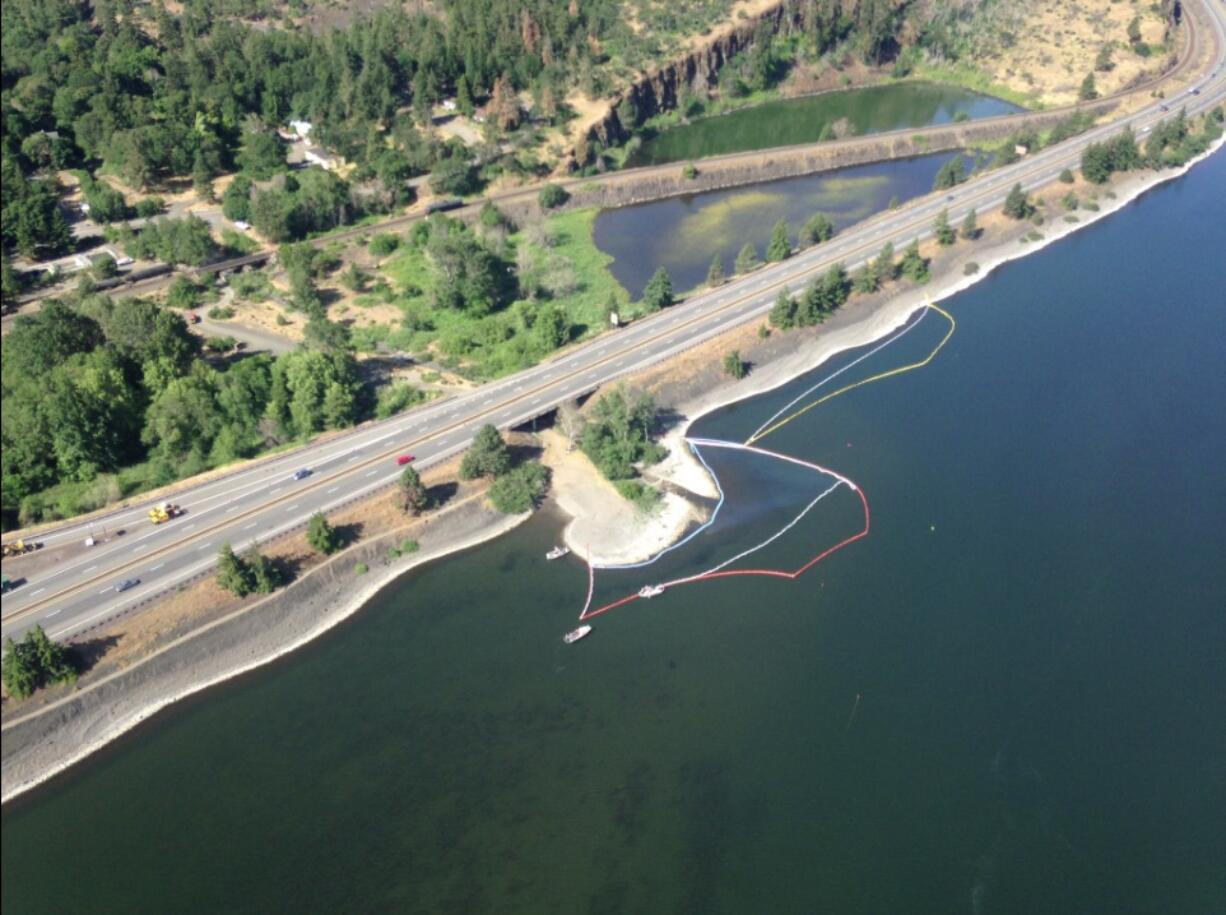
20	547
163	512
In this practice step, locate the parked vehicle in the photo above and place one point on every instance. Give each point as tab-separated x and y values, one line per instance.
191	317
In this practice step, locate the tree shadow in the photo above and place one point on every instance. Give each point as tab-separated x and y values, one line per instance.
349	533
287	568
87	654
441	494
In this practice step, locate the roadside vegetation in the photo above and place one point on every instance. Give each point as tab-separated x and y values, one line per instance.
488	301
619	438
104	398
518	485
34	662
1172	143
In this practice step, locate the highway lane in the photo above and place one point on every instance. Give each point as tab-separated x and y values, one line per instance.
254	504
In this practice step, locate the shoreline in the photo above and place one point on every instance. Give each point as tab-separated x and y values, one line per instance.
104	728
681	469
37	755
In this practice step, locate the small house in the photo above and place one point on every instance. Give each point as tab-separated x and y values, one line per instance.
317	155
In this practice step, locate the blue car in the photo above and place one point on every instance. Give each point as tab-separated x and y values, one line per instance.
127	584
302	474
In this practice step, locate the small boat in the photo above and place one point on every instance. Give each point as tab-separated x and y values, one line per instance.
651	591
557	552
576	634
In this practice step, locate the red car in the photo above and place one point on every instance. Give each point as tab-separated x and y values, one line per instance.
192	317
404	459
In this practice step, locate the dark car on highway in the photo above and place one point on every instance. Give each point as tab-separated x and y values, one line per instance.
302	474
127	584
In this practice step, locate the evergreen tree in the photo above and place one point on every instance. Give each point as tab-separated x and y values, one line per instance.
321	535
264	575
952	173
232	573
659	291
970	227
1017	204
914	265
943	231
413	495
715	273
1088	90
488	456
734	365
783	313
747	259
884	265
866	280
779	248
818	229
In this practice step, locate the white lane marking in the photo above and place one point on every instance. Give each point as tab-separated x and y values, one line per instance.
202	547
158	566
53	613
275	491
250	526
39	591
90	569
189	527
372	473
332	490
231	509
352	459
104	590
292	507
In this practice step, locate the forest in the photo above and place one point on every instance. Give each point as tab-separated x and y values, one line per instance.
102	397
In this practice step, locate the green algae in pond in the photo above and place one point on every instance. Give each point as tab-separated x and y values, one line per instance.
806	120
682	234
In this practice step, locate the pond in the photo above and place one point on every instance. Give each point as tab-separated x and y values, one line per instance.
686	232
802	120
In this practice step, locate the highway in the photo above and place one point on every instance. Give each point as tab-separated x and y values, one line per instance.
257	503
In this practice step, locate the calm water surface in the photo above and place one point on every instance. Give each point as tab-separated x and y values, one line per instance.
682	234
802	120
1034	628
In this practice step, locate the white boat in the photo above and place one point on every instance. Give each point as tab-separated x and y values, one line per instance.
557	552
651	591
576	634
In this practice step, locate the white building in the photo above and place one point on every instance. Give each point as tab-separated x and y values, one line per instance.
301	128
317	155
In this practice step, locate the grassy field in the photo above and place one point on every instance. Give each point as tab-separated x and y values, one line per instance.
970	77
558	266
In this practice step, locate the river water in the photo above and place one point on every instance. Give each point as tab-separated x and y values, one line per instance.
802	120
1008	698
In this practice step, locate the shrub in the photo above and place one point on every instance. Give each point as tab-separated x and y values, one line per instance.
34	662
970	269
734	365
221	312
553	196
521	489
322	536
384	244
360	568
689	172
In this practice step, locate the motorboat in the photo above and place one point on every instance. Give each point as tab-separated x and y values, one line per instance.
651	591
557	552
576	634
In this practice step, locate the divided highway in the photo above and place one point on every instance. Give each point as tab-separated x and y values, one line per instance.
262	501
